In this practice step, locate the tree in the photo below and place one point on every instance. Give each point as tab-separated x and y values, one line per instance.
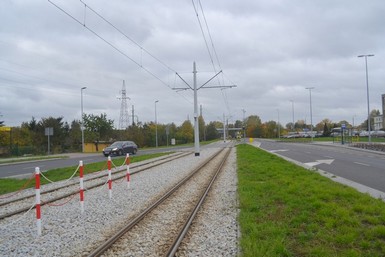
202	128
185	133
75	136
270	129
289	126
59	132
254	126
97	127
300	125
326	131
211	130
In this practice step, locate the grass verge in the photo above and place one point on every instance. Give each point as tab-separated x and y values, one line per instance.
286	210
8	185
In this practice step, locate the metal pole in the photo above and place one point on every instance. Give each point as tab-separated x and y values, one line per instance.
279	129
196	125
292	111
244	126
82	125
156	126
311	115
367	89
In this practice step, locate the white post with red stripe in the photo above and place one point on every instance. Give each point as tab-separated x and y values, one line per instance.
109	177
37	190
81	186
128	170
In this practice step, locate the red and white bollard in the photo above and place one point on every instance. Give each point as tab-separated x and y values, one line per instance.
128	170
37	190
109	177
81	186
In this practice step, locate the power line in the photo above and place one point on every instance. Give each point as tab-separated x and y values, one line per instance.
226	102
115	47
110	44
204	36
208	31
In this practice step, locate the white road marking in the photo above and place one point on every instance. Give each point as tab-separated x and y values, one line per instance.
279	150
328	157
363	164
312	164
326	161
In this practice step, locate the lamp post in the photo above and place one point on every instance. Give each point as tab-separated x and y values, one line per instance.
367	89
82	125
292	111
279	129
244	126
156	127
311	115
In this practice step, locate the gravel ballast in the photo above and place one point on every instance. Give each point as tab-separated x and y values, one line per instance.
67	232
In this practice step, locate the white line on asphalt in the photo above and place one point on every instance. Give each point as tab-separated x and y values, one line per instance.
363	164
328	157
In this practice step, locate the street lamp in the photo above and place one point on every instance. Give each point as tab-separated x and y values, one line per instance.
367	89
311	115
156	127
279	129
292	111
82	125
244	126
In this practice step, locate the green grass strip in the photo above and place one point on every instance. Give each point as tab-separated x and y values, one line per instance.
8	185
286	210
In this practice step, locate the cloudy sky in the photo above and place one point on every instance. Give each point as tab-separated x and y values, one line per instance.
271	50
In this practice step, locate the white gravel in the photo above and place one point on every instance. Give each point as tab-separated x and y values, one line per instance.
67	232
215	231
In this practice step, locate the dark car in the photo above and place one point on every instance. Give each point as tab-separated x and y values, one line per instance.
120	148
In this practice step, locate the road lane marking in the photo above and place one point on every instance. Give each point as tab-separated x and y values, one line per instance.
317	162
363	164
279	150
328	157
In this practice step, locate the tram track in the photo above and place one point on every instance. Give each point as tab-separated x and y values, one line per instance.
24	203
170	204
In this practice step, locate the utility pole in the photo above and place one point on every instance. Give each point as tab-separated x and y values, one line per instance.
244	126
133	115
195	88
311	115
367	90
124	117
196	124
224	128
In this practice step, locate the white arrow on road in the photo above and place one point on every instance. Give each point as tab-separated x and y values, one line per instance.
279	150
317	162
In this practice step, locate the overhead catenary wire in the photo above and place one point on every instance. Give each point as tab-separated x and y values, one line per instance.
140	65
126	36
226	102
204	36
208	32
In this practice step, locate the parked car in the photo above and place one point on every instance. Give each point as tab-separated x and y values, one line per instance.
120	148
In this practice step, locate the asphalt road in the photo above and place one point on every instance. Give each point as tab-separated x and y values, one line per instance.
22	169
363	167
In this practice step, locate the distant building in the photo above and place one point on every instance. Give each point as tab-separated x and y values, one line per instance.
383	110
378	122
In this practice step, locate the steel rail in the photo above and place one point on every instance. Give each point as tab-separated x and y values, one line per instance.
162	161
175	245
109	242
